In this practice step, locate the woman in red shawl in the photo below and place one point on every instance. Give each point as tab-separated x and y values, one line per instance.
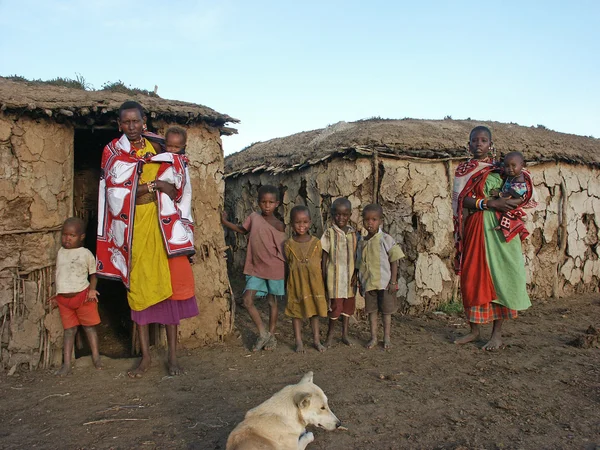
492	270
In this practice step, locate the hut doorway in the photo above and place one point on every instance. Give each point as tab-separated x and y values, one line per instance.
115	331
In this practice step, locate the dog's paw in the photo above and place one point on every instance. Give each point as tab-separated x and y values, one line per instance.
307	438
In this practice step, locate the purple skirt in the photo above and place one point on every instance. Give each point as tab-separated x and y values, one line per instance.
167	312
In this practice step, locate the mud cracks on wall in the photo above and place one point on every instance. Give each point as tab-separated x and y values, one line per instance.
561	253
36	196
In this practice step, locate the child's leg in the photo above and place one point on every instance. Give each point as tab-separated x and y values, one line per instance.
173	365
68	342
472	336
297	324
144	364
330	328
314	323
387	326
92	338
495	341
373	323
273	312
248	299
345	326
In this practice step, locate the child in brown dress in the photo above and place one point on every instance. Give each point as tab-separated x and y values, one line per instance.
305	288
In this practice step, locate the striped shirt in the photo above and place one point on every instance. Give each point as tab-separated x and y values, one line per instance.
374	258
340	245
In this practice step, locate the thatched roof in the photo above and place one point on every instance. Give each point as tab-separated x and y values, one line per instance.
423	139
99	108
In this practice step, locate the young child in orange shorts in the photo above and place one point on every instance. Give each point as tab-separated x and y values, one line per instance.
76	297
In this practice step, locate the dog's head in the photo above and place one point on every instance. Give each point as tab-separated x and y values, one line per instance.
312	404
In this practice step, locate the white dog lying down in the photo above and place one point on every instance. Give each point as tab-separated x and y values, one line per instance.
280	422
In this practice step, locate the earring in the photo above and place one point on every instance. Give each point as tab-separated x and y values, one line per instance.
493	150
144	128
119	129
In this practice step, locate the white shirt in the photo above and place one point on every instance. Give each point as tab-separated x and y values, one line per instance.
72	269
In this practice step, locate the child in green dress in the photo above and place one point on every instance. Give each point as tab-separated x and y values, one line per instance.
305	288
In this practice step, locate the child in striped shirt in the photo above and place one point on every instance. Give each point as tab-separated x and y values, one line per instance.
377	260
339	253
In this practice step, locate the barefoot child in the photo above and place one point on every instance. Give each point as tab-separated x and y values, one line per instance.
517	184
77	298
378	256
339	253
264	268
305	288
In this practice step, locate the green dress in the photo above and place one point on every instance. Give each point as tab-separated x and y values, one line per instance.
305	287
505	259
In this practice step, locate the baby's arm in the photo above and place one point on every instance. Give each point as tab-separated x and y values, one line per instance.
232	226
93	293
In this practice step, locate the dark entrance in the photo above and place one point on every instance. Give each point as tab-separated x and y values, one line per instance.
114	333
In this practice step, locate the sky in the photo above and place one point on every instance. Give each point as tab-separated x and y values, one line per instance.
283	67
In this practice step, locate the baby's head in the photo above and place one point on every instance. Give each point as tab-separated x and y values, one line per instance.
372	218
513	164
175	140
73	233
268	199
341	209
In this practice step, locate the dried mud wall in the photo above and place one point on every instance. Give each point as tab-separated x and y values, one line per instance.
561	253
205	152
36	178
36	196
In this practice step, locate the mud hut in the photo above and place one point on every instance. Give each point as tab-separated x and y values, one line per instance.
408	166
51	140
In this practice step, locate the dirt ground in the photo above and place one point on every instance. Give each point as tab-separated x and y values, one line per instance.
540	392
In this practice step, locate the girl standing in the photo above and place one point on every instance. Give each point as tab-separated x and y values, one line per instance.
305	288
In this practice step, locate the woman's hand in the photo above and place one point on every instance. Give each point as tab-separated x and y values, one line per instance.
504	204
167	188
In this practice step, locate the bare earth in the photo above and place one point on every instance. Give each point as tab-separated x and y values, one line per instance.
538	393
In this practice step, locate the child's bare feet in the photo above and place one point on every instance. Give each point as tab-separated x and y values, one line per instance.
175	369
472	336
319	347
372	343
261	341
347	341
139	371
387	343
299	347
328	341
97	363
64	370
495	343
272	344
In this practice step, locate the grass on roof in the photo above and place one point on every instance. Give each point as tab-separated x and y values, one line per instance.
79	82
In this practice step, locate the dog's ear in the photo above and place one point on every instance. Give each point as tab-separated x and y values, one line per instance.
307	378
302	400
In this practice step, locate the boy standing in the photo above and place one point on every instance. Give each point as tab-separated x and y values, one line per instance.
264	267
77	298
378	256
339	253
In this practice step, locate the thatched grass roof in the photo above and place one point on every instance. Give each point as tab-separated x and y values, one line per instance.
424	139
99	108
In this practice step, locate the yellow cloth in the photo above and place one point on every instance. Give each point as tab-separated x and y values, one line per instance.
150	278
305	288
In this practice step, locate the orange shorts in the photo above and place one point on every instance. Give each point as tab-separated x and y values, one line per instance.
76	311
